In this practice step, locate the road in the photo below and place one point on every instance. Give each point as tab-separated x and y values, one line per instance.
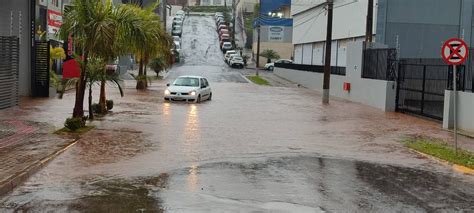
250	149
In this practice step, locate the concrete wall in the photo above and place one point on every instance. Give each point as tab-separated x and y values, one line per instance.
376	93
21	28
465	115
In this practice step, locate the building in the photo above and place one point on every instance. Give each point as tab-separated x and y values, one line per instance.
30	23
276	29
415	79
246	6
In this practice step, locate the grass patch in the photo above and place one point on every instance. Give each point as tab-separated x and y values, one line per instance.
258	80
82	130
442	151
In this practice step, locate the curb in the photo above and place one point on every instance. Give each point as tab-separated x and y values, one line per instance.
11	183
455	167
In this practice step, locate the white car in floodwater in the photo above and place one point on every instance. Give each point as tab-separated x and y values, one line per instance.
188	89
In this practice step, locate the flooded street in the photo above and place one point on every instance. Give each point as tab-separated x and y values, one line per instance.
251	149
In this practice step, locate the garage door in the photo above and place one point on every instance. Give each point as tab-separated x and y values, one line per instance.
9	54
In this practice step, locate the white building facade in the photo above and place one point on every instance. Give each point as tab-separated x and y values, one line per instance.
309	29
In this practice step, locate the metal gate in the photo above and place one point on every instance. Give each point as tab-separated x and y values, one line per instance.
40	71
421	87
9	59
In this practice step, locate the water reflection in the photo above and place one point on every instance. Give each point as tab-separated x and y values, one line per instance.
192	179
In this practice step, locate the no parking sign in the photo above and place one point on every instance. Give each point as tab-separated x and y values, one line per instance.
454	52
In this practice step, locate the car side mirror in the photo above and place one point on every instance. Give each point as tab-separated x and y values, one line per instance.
168	84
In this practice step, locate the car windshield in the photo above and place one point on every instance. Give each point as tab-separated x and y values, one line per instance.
186	82
238	58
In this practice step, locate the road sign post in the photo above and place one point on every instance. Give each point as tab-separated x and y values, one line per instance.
454	52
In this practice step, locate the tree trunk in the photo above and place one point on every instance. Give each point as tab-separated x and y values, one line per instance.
78	111
102	99
91	112
140	83
145	74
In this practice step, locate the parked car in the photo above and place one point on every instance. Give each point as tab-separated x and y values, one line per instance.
177	46
236	61
177	39
222	26
223	31
178	20
220	21
181	13
218	14
189	89
226	46
228	53
177	31
224	36
232	56
271	66
222	42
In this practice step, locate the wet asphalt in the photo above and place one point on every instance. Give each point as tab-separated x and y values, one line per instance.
250	149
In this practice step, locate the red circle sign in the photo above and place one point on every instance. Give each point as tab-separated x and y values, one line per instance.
455	51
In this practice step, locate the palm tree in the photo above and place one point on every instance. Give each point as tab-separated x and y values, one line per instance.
269	55
94	30
147	39
97	75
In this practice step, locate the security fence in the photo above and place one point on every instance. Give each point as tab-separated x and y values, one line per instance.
9	60
380	64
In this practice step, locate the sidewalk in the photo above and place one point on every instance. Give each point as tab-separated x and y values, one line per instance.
25	144
273	79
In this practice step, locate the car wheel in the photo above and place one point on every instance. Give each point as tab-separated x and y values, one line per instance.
198	100
210	96
270	68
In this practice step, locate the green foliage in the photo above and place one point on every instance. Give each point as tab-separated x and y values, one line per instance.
110	104
74	123
159	64
442	151
258	80
95	107
270	54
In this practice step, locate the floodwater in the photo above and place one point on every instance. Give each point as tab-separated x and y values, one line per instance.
250	149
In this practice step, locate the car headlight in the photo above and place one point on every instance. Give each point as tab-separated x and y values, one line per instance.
193	93
167	92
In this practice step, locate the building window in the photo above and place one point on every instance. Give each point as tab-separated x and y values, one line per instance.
55	3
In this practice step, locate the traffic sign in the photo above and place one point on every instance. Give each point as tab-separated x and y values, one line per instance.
455	51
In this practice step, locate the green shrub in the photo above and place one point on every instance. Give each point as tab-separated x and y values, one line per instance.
110	104
95	107
74	123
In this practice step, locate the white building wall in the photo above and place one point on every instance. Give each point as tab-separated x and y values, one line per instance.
376	93
310	26
307	53
298	56
318	53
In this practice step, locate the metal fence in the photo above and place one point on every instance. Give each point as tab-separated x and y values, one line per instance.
9	61
40	71
312	68
421	86
380	64
469	79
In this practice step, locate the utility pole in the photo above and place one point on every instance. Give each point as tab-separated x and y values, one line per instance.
163	4
258	36
233	20
327	62
370	20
